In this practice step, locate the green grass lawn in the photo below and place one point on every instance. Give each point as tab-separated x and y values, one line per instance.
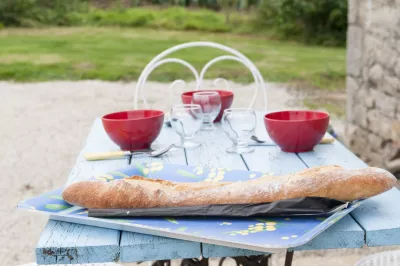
122	53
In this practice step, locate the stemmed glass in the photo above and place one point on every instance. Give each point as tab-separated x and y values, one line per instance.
186	120
210	102
239	124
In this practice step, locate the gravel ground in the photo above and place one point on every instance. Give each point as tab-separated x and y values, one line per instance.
43	126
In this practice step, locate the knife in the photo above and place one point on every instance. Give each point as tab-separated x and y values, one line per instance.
95	156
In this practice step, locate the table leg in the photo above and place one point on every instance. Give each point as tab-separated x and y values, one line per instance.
261	260
289	258
161	263
195	262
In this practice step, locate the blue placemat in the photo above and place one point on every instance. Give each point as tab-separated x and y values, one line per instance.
263	234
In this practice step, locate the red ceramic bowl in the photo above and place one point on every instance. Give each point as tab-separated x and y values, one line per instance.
226	100
296	131
133	130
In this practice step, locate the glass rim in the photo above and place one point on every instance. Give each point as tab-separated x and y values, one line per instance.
186	106
206	93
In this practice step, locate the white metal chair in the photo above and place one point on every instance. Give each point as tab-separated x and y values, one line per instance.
232	55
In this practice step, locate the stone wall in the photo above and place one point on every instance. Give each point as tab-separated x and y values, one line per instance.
373	80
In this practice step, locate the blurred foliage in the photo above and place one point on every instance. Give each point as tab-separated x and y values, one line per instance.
174	18
311	21
15	12
210	4
33	13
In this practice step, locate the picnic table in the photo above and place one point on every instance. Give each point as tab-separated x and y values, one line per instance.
375	223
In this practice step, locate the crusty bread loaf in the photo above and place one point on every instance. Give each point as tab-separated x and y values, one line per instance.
137	192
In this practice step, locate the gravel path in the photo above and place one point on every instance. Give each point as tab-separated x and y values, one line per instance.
43	126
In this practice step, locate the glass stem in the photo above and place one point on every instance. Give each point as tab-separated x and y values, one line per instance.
241	144
207	123
182	141
186	139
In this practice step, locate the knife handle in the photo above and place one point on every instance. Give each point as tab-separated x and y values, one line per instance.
95	156
327	140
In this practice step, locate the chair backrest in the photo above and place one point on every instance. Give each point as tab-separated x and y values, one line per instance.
234	55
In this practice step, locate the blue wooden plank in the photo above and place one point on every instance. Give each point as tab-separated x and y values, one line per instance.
215	251
141	247
380	218
174	156
60	239
68	243
332	154
261	131
272	160
212	151
46	255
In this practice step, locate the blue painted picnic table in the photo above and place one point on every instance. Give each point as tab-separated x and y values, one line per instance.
375	223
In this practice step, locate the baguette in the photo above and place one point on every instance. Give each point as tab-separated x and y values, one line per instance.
331	182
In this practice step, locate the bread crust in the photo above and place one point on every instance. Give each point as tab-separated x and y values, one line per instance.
331	182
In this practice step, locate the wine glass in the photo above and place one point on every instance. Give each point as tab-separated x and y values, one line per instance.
239	124
210	102
186	120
